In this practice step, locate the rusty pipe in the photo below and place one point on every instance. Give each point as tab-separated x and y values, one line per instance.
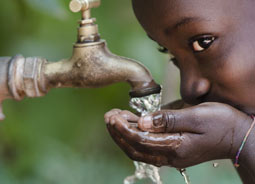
92	65
19	78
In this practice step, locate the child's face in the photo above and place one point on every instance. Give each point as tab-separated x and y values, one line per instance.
213	42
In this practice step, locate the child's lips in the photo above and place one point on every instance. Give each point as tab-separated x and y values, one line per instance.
209	97
204	98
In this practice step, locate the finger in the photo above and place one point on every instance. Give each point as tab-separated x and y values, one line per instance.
129	116
120	141
172	121
169	155
110	113
144	141
134	154
124	127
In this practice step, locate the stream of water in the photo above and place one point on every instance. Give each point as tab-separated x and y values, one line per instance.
146	105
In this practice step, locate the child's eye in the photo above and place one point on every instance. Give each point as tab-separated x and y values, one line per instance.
202	43
166	51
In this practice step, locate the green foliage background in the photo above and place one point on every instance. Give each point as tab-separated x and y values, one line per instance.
61	138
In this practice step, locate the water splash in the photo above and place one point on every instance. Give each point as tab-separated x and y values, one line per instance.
144	171
147	104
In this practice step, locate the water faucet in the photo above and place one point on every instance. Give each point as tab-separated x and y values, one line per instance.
92	65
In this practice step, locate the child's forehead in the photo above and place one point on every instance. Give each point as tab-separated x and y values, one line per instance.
168	12
185	7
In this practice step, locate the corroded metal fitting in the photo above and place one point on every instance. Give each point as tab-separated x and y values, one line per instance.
24	77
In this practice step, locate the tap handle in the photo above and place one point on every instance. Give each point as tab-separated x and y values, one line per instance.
83	5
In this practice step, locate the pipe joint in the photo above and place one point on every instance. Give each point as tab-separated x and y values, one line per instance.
24	77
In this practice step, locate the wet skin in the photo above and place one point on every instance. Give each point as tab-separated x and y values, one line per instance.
212	42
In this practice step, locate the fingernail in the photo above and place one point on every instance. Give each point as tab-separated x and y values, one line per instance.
124	116
112	122
146	122
157	120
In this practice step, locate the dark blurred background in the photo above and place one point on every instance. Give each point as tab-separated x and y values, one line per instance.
61	138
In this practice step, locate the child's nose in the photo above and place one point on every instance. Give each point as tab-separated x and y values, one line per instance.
195	89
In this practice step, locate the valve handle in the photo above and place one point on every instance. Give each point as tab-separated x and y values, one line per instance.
88	30
83	5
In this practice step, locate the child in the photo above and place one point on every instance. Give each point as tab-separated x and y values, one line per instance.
212	42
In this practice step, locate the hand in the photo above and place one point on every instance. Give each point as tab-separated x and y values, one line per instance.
180	138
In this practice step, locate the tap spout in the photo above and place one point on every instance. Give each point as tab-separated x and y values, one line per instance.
93	65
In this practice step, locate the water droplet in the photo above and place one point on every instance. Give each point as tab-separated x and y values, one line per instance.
215	165
78	64
185	175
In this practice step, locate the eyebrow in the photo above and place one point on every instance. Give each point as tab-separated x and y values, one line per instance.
182	22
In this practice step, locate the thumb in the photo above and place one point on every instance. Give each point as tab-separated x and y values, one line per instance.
170	121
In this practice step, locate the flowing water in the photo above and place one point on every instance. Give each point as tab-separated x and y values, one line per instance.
146	105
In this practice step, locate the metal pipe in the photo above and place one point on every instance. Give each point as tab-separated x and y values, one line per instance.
93	65
4	90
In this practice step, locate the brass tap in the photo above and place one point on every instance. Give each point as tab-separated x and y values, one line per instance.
92	65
